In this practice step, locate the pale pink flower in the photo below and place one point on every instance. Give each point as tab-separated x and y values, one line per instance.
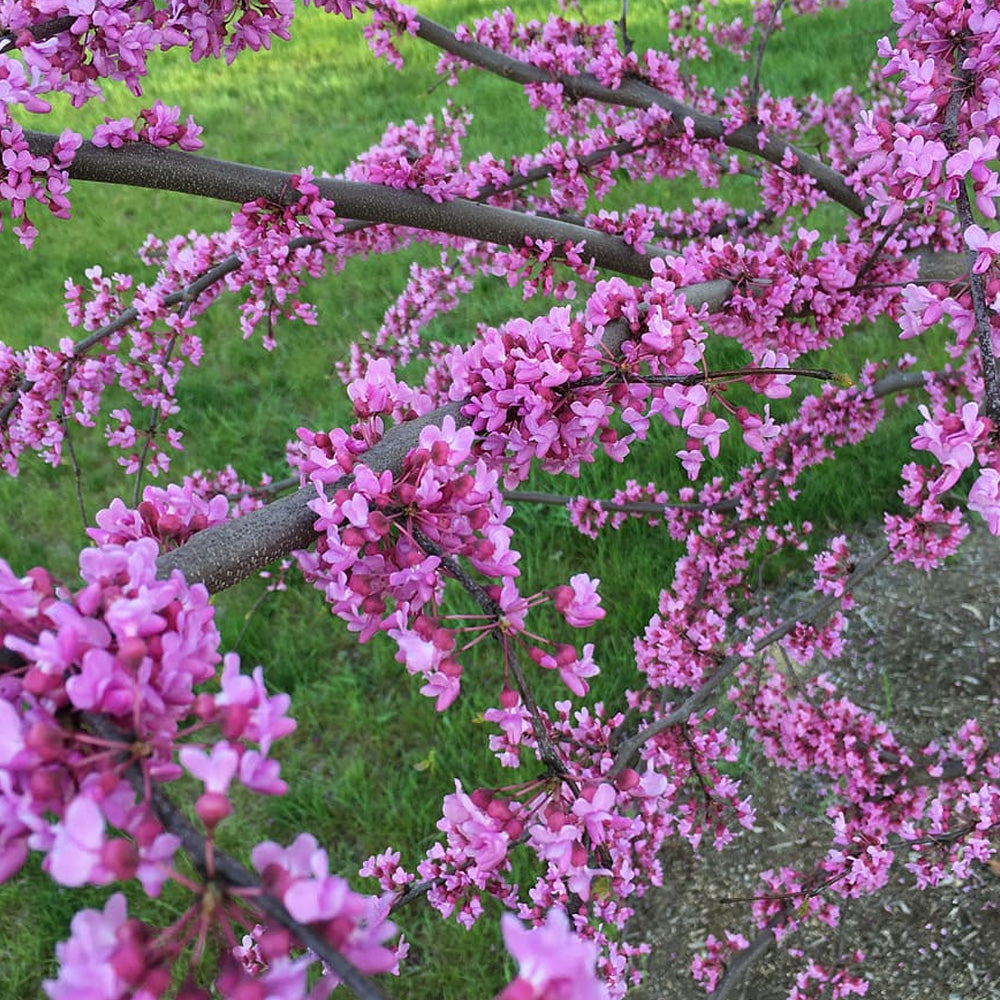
984	498
553	963
75	856
85	968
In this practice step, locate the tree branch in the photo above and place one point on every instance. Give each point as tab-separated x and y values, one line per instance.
818	611
754	96
744	961
984	335
223	555
634	93
228	870
39	32
142	165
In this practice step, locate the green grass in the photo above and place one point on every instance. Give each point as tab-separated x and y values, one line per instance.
371	759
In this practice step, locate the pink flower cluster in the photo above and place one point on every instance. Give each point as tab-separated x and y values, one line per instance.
136	650
552	962
356	925
142	654
395	536
25	178
173	514
159	127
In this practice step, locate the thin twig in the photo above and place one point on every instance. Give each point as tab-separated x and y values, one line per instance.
227	870
991	388
702	378
627	43
628	749
547	750
77	471
609	506
872	259
754	96
154	419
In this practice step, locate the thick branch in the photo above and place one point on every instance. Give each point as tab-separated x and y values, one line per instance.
39	32
223	555
141	165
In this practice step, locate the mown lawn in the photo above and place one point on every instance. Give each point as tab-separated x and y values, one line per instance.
371	759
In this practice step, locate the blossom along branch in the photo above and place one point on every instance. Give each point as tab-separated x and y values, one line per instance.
635	93
226	553
627	749
991	388
141	165
738	966
231	551
217	868
548	753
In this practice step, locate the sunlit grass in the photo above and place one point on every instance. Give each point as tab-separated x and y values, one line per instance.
371	759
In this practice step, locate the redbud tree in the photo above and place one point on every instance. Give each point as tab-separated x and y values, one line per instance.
114	686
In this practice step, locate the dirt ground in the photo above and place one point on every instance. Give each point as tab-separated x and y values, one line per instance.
927	646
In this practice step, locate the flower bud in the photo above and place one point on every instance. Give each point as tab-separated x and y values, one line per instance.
509	698
627	780
121	857
212	808
46	740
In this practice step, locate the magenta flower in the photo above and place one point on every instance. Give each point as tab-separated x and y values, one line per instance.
594	808
951	439
984	498
553	963
85	968
558	841
75	856
579	603
479	835
986	247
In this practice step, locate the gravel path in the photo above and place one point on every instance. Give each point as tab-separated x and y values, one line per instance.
923	653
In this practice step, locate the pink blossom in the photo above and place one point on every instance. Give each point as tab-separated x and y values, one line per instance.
553	963
984	498
85	967
474	831
75	856
579	603
215	770
951	438
985	246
